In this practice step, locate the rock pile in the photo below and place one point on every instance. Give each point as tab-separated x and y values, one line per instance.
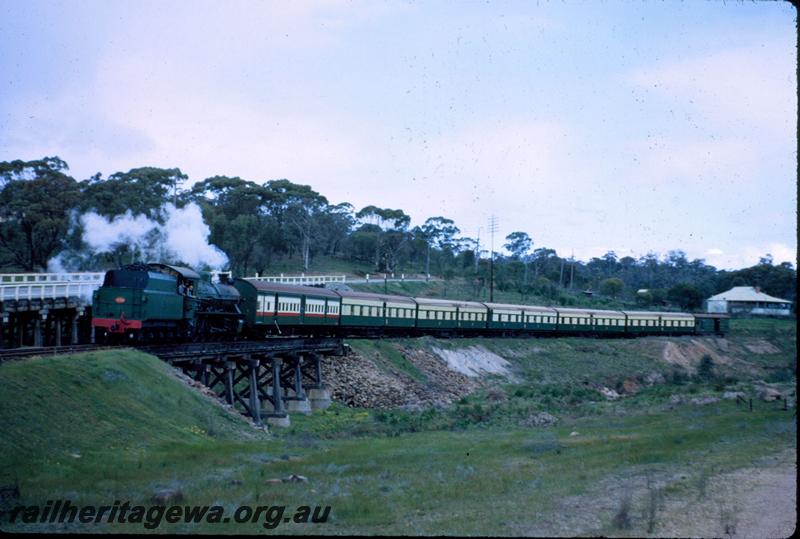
541	419
360	381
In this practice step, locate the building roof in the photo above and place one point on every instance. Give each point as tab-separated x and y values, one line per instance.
746	293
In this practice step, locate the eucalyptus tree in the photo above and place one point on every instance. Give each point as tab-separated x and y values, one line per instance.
241	226
439	233
297	209
387	230
140	191
519	245
36	199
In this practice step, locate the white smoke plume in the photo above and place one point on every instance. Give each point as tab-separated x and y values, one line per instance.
184	236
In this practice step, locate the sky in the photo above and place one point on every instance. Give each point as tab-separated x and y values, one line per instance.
592	126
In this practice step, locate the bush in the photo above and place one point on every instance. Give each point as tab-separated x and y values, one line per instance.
678	377
705	371
546	443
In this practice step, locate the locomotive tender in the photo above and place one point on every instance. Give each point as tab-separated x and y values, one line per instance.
162	302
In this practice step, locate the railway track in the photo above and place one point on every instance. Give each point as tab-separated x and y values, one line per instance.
47	351
185	350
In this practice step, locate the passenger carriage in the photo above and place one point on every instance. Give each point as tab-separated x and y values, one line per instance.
574	320
521	317
711	323
540	318
503	316
277	308
451	314
677	323
642	322
607	322
363	309
437	313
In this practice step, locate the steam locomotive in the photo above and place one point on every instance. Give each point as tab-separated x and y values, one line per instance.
160	302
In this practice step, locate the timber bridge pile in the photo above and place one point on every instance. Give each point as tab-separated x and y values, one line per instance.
262	379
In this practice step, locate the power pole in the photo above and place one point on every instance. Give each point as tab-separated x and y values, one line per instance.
478	249
571	269
492	229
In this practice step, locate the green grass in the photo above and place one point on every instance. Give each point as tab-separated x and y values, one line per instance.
763	326
319	265
492	481
108	426
55	408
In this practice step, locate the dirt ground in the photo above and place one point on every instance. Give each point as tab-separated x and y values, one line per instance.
754	502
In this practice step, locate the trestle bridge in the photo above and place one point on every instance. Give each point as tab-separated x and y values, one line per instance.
46	314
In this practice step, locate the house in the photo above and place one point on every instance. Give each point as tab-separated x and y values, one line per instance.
748	300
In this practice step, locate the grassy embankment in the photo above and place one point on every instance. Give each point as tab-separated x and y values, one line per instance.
111	425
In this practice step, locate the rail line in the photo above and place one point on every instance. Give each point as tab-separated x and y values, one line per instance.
183	351
47	351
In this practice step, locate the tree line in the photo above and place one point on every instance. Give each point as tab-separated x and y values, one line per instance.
258	224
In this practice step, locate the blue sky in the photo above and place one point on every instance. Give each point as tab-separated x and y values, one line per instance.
593	126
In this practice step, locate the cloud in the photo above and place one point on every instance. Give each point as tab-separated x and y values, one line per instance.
748	87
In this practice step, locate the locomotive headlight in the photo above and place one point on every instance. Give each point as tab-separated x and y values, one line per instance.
119	299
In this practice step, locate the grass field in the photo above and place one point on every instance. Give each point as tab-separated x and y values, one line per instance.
116	426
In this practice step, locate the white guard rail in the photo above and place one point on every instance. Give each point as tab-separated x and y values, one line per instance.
301	279
17	286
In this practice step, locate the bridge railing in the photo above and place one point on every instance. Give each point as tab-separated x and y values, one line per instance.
18	278
301	279
30	286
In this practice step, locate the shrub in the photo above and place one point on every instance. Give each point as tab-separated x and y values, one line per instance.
705	371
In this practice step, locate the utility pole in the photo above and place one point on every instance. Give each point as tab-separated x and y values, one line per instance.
571	269
478	249
492	229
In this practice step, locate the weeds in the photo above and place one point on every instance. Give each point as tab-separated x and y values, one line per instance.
728	520
622	519
654	496
546	443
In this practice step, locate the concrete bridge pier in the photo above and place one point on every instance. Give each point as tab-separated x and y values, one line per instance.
318	395
73	334
276	410
39	321
296	398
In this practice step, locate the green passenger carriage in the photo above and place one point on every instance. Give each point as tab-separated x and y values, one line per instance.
271	308
708	323
448	314
363	309
574	320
